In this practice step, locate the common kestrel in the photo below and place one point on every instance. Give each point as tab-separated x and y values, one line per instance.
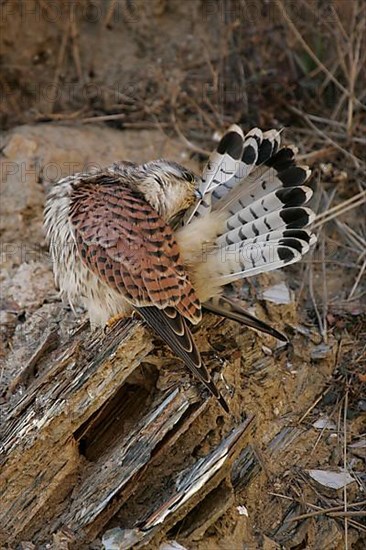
158	239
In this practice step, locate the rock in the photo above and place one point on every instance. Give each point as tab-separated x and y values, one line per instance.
334	480
30	285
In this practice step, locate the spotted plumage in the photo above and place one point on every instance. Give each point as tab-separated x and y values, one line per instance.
161	240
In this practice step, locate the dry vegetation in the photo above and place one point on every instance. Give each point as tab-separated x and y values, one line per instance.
190	69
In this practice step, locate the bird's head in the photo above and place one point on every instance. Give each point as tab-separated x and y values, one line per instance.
169	187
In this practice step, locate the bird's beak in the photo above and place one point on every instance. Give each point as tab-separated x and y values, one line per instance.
198	194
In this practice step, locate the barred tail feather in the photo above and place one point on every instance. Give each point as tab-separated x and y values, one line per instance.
273	202
223	163
237	262
287	218
303	235
246	164
263	181
220	168
256	190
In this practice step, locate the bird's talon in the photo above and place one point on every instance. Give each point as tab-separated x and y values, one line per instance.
113	321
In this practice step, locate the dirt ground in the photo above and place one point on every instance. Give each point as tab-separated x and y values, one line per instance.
92	81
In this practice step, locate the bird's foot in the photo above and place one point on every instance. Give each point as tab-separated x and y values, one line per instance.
120	316
113	321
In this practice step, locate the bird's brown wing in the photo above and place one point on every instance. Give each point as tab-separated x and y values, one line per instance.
129	246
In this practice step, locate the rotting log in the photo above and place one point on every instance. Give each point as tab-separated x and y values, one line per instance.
85	437
206	474
107	440
38	448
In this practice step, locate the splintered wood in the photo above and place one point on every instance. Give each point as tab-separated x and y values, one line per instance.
86	436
